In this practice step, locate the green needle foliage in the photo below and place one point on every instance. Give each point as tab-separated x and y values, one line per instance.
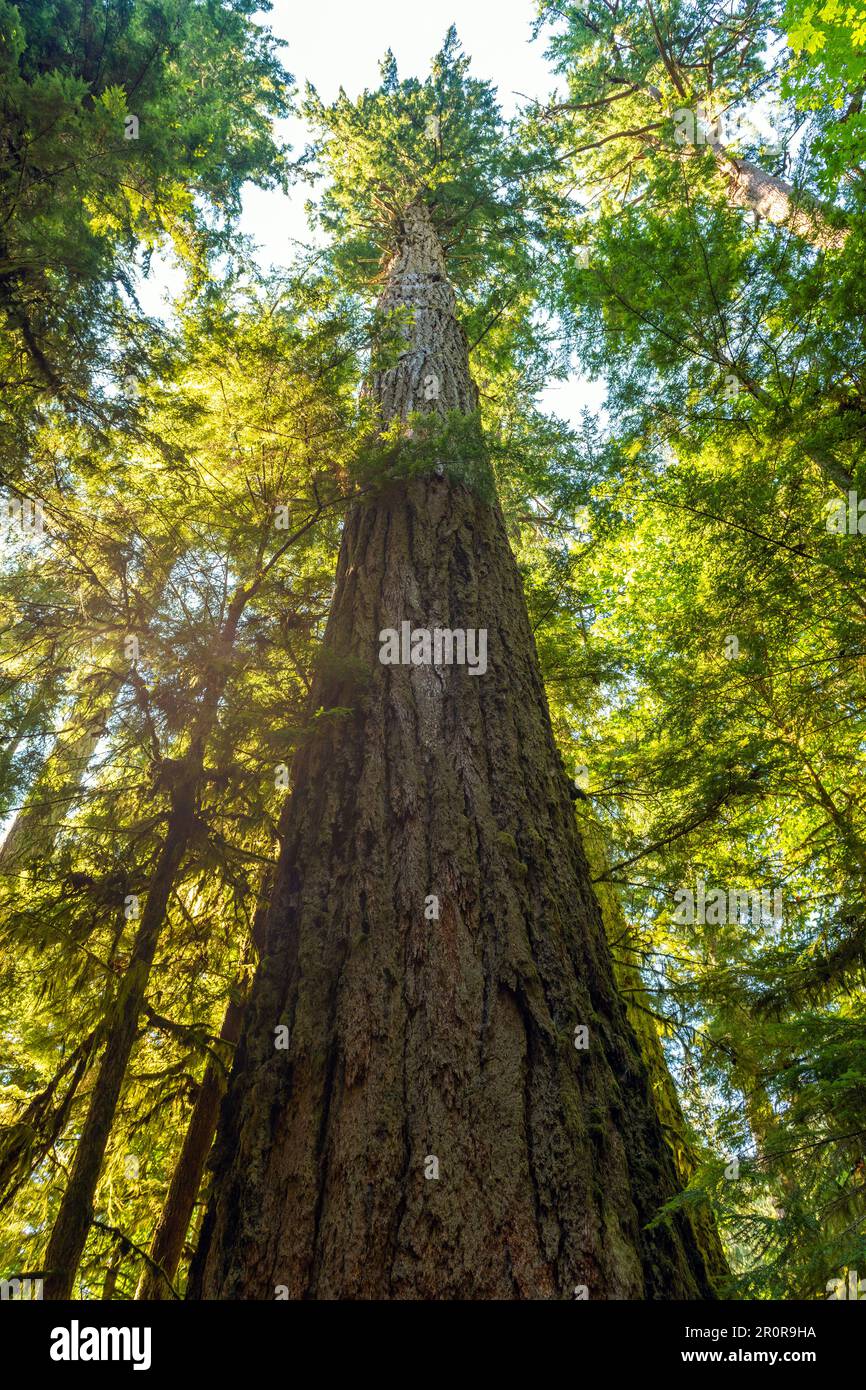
692	558
126	129
721	591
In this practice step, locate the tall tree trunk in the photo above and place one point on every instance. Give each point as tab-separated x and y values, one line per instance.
749	186
774	200
27	726
109	1287
432	1130
28	1139
170	1234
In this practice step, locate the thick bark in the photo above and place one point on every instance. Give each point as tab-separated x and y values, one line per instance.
157	1278
413	1042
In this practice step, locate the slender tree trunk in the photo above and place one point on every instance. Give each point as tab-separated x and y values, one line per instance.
27	1140
434	948
170	1234
28	726
109	1287
751	187
186	1179
69	1233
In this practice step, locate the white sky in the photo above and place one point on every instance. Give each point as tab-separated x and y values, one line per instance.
334	43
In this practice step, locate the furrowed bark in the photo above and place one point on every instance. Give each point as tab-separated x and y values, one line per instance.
431	1130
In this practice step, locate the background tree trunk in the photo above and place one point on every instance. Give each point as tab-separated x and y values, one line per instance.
183	1190
777	201
431	1130
75	1214
74	1217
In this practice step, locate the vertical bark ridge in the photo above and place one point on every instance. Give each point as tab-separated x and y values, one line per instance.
413	1038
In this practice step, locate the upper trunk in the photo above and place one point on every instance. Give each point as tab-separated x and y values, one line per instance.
776	201
431	1130
432	373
